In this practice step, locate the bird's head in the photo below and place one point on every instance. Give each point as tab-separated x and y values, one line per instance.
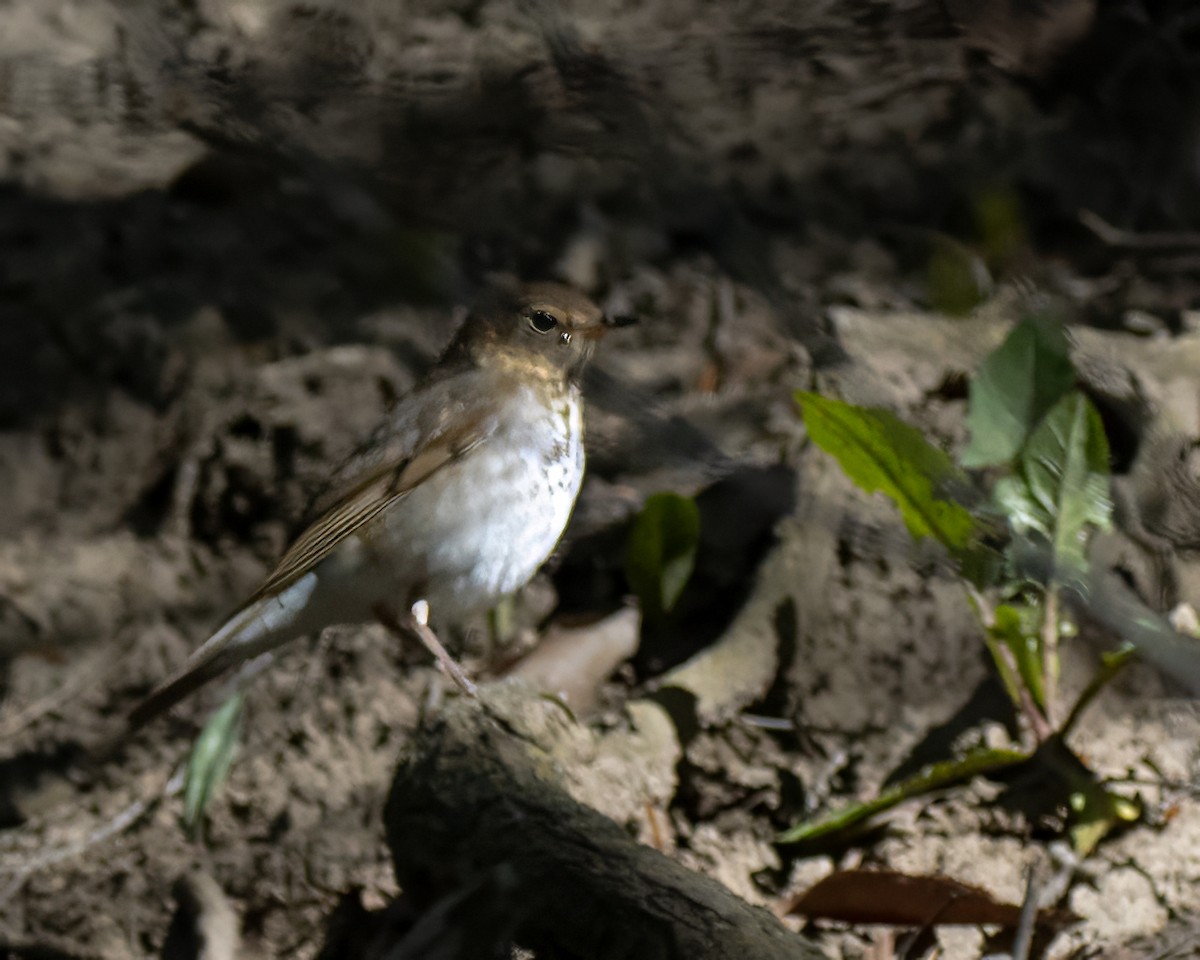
544	331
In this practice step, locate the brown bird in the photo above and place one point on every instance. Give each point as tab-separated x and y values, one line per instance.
454	501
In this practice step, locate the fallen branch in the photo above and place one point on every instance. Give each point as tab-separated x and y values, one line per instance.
1129	240
480	791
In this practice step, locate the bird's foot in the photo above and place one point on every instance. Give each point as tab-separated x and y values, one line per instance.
416	623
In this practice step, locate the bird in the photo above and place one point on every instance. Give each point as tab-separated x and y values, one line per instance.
456	498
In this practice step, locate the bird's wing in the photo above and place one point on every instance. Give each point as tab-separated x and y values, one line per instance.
368	497
248	633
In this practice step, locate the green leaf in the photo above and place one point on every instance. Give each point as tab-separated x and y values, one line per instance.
1095	812
935	776
1000	223
958	279
1060	489
1016	385
211	758
878	451
662	551
1017	630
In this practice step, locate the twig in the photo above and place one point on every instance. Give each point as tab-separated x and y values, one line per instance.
1023	938
123	820
12	725
1116	237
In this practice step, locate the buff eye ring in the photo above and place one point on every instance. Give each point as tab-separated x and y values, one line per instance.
542	322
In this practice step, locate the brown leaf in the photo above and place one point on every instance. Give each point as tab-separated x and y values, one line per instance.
1026	38
887	896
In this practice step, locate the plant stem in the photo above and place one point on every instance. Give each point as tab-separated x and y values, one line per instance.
1050	661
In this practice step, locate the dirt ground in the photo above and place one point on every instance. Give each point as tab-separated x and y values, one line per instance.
233	234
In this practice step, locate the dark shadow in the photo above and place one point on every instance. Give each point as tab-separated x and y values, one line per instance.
738	514
328	195
32	951
93	294
779	699
1042	790
23	774
987	701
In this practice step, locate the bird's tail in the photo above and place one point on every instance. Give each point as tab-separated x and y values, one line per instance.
259	626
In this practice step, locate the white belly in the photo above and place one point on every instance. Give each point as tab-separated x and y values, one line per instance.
486	524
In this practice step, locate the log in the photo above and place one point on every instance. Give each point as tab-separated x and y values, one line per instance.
479	794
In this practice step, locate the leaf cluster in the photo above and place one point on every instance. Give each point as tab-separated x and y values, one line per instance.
1038	463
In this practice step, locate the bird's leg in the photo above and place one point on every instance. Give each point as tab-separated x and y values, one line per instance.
416	624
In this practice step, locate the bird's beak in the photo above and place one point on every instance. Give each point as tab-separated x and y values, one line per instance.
608	323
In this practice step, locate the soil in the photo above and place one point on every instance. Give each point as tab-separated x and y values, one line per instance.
233	234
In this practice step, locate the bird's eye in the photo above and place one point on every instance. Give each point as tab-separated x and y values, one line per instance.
542	322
